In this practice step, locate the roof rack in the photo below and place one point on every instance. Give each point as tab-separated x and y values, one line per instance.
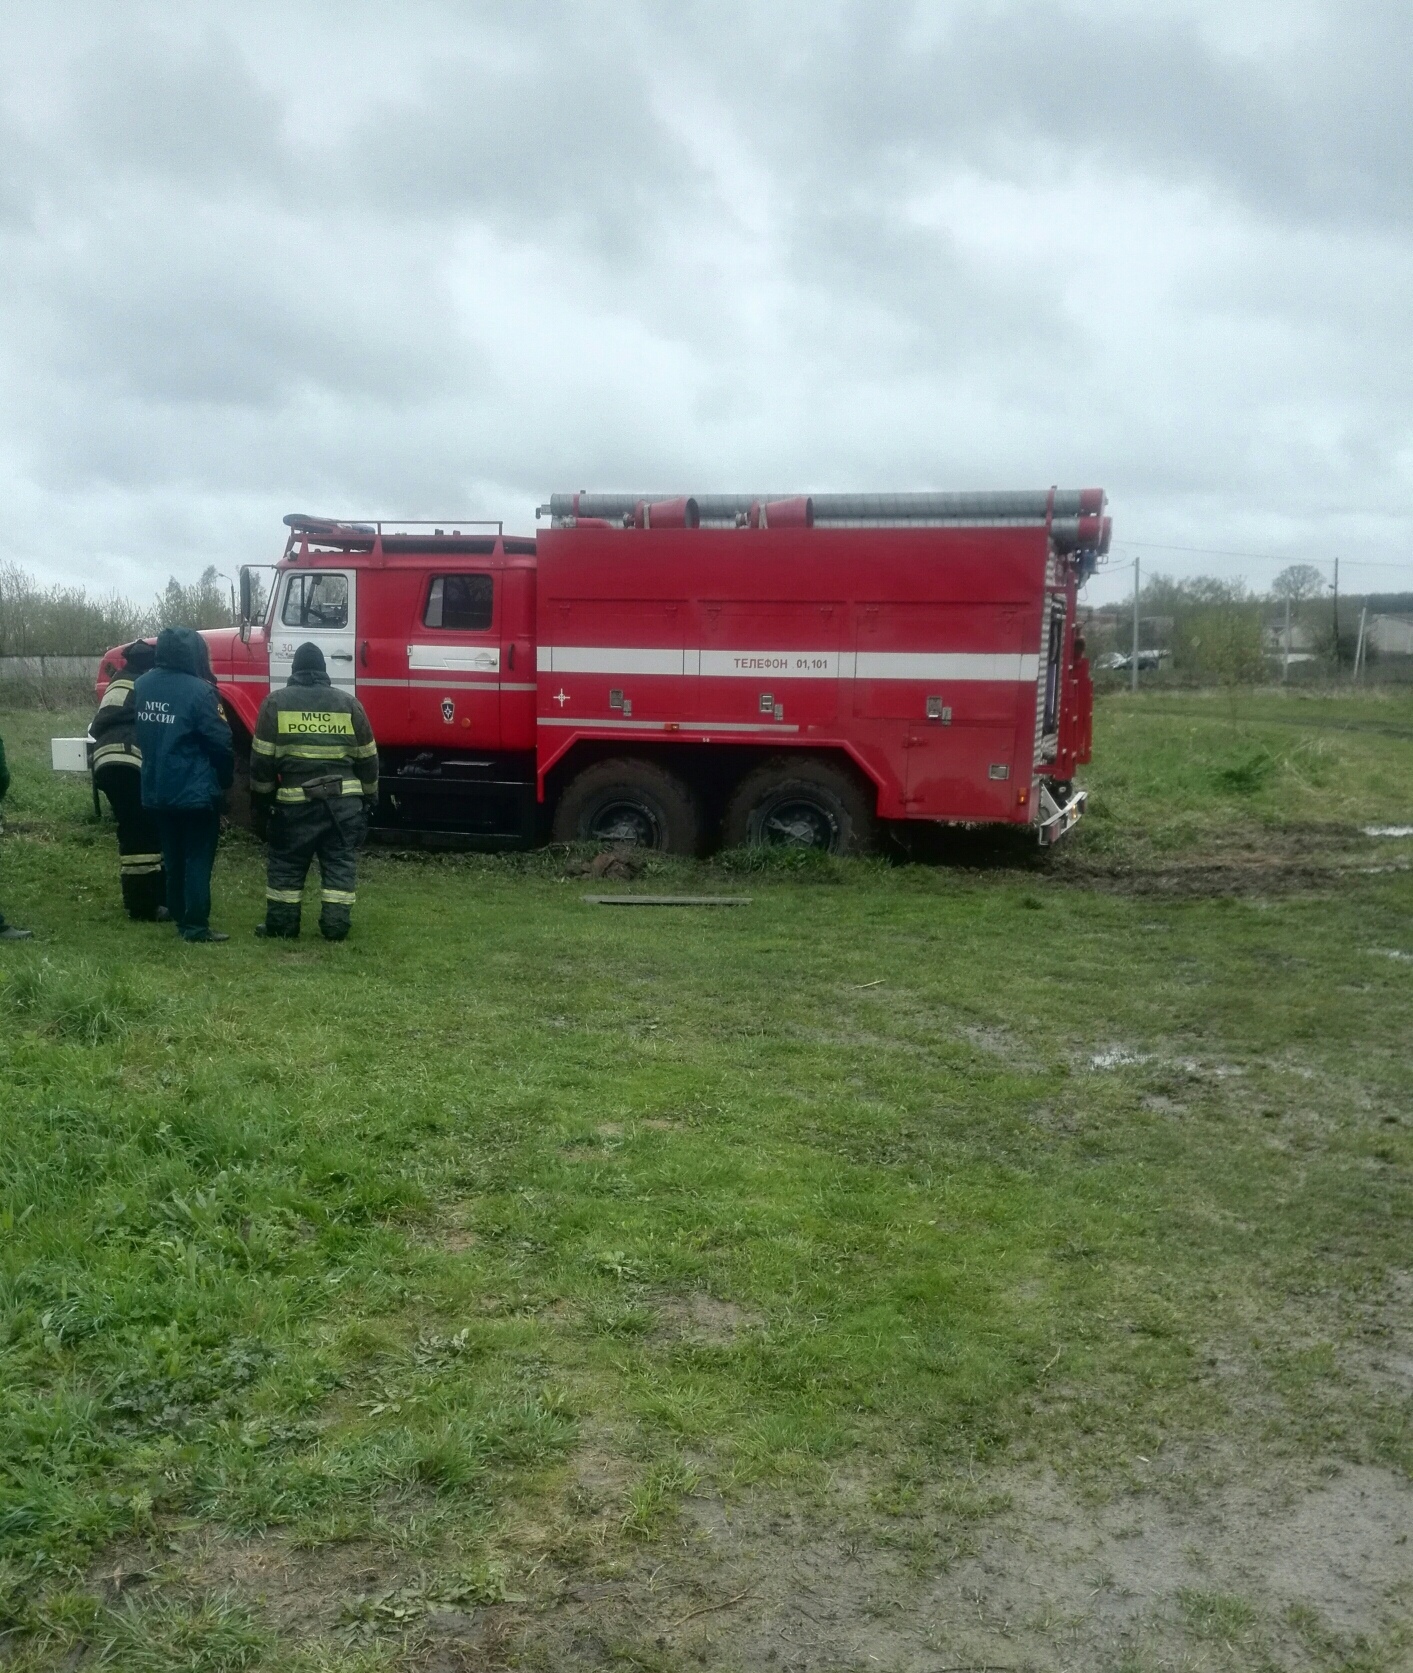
332	528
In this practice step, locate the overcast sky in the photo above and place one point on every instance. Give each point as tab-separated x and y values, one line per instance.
444	259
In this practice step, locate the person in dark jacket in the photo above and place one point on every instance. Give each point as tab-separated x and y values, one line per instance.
188	762
116	762
313	786
8	932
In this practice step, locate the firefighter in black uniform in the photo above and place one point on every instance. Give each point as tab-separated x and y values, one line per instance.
314	785
8	932
116	761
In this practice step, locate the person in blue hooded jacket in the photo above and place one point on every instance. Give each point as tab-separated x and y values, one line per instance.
8	932
188	762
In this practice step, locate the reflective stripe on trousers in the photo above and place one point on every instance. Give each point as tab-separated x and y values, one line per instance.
292	795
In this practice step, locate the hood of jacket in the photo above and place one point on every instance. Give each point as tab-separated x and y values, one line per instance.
183	650
138	658
310	676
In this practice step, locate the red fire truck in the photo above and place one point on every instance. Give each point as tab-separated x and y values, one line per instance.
679	672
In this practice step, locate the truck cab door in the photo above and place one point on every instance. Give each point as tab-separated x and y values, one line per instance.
454	657
315	606
387	597
518	686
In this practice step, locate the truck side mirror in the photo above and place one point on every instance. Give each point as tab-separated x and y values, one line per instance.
246	604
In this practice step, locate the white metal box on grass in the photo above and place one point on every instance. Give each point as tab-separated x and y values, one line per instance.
69	755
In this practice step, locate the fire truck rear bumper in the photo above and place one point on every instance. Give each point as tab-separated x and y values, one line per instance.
1058	815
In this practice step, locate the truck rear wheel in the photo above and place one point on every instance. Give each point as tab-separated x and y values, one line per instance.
629	801
801	804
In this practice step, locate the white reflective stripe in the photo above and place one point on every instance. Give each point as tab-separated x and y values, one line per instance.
773	665
662	725
433	684
867	665
962	666
953	666
464	658
608	659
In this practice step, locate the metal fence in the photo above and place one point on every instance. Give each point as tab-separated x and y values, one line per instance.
37	670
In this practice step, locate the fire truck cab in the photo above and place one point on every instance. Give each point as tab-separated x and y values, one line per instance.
681	672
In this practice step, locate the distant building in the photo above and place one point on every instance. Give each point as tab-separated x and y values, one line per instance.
1391	635
1304	641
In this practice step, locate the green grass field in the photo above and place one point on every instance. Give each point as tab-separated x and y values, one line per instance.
993	1263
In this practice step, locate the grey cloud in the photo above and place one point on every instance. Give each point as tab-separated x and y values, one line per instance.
527	150
1320	128
192	112
245	314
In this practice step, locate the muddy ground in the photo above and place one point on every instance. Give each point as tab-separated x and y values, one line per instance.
1192	1558
1243	862
1195	1564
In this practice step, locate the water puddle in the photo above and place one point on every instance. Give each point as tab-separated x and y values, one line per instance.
1117	1057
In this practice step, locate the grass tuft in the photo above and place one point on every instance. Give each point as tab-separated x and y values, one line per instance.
1246	777
653	1499
76	1002
215	1635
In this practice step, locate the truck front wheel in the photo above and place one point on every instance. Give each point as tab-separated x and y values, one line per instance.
800	804
629	801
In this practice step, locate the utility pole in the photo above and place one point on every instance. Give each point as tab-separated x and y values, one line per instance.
1285	673
1336	617
1359	654
1133	679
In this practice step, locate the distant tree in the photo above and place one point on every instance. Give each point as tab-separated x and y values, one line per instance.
1208	590
206	603
1220	643
62	621
1299	582
1164	595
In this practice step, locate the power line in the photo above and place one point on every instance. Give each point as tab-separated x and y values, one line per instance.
1260	557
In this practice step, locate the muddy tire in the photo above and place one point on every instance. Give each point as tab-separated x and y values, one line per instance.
803	803
629	802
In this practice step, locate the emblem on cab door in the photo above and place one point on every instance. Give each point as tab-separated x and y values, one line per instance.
448	710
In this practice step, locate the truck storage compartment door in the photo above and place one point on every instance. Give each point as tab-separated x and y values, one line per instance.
454	659
766	665
952	687
964	772
613	664
315	606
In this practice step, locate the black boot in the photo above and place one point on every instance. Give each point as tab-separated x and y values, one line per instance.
281	921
